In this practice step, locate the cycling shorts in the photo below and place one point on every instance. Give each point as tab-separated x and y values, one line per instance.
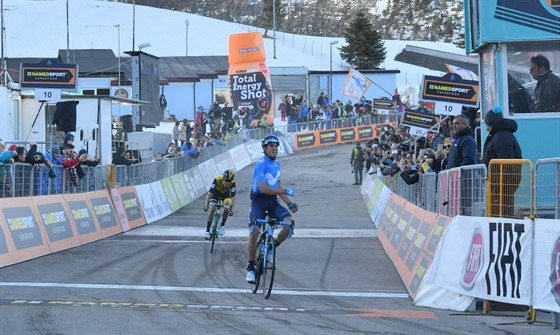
261	206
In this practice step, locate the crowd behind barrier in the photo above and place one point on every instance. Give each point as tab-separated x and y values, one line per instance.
24	179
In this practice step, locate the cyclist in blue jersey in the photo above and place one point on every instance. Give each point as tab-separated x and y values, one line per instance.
265	190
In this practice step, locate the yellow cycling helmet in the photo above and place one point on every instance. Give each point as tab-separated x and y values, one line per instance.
229	175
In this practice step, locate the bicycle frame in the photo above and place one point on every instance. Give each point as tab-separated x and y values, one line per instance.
219	208
266	253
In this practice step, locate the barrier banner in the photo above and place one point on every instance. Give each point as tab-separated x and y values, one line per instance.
328	136
391	214
223	162
119	209
208	172
23	235
58	224
546	265
488	258
365	133
197	185
148	203
171	194
162	204
82	214
439	224
376	195
127	205
347	134
198	181
306	140
181	189
240	157
104	212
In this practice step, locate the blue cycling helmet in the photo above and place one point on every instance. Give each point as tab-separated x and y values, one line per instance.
270	139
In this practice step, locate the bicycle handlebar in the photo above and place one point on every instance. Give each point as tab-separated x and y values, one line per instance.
274	223
219	205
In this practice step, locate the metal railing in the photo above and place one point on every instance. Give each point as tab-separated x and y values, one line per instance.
546	202
23	180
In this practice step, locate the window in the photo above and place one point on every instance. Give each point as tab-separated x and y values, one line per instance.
522	76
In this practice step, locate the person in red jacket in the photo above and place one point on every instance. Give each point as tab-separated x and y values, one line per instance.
71	161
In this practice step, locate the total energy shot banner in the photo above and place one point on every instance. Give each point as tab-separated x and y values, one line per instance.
249	78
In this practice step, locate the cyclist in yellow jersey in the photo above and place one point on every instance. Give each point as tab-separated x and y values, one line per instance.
223	188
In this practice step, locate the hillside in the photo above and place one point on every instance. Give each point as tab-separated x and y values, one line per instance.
414	20
93	25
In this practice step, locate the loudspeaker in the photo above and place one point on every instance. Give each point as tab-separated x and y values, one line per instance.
127	123
65	115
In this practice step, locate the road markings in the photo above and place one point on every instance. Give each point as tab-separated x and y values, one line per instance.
241	232
166	306
247	290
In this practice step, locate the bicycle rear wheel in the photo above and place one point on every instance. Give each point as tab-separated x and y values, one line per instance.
268	271
258	267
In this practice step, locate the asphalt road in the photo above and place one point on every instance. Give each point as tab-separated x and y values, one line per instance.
333	276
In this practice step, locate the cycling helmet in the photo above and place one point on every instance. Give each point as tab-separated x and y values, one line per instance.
229	175
270	139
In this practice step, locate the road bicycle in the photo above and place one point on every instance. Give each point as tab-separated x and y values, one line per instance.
216	221
266	254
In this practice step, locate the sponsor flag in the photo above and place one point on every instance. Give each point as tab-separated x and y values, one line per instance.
464	73
356	84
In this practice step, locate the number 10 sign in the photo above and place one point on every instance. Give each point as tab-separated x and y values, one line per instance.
447	108
43	94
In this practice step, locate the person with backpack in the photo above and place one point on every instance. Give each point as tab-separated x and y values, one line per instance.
357	161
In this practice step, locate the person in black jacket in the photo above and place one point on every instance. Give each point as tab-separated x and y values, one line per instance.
119	159
502	144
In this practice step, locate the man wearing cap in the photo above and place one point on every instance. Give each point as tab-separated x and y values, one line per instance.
502	144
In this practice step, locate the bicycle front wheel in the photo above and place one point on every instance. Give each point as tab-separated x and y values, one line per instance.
214	233
258	267
269	268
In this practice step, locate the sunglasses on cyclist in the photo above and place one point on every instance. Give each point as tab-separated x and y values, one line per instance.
447	146
228	180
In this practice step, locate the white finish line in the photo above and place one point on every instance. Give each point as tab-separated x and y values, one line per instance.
243	232
207	289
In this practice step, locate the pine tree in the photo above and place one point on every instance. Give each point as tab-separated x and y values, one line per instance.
365	48
265	19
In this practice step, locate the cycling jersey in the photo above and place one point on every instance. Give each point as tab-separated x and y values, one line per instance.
219	189
266	170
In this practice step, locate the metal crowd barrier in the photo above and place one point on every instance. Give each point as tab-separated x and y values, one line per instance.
458	191
473	190
546	202
510	188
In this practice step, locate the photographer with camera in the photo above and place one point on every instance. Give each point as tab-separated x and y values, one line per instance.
357	162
